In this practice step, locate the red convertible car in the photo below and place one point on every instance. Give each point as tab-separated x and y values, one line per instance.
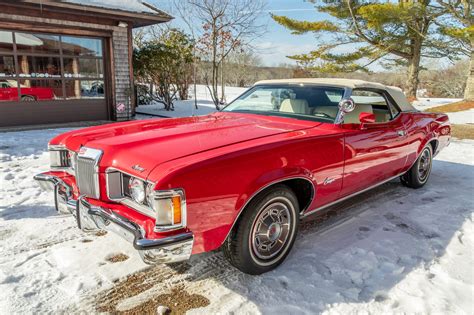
9	92
242	178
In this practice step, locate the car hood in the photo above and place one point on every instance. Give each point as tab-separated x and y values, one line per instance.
148	143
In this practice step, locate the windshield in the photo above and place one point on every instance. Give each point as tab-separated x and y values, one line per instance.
302	102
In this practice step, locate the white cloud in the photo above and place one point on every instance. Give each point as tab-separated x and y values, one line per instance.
273	53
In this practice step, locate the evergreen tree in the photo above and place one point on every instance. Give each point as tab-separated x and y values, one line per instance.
459	25
399	32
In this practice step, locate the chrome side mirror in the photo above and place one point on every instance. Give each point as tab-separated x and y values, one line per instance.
346	105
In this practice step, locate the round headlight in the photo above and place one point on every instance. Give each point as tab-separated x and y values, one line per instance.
137	190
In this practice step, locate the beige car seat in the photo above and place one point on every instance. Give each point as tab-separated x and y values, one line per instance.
297	106
382	115
329	110
353	117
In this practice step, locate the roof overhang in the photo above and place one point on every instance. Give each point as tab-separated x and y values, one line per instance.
135	19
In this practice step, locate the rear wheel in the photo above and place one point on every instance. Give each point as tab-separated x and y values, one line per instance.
264	235
419	173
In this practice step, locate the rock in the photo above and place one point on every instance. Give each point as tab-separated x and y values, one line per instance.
162	310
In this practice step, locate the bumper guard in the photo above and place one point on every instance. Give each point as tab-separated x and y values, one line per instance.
92	218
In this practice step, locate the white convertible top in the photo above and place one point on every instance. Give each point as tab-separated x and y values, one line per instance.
395	92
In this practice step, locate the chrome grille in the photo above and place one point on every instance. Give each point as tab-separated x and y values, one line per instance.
87	176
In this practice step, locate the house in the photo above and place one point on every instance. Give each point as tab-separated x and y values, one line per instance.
69	60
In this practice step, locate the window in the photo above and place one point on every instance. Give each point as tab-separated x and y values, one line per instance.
6	42
7	67
303	102
372	102
40	67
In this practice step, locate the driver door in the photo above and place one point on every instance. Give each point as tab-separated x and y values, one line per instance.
374	151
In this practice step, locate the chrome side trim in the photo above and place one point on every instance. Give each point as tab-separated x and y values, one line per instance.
262	189
349	196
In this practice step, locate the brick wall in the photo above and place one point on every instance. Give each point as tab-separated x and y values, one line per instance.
120	55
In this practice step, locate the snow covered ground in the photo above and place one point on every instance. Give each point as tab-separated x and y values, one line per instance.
188	108
462	117
426	102
391	250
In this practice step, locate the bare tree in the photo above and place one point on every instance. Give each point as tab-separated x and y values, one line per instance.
221	26
244	66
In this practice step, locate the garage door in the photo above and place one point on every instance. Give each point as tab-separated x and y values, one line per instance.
49	78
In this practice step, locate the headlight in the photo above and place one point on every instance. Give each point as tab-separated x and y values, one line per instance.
170	208
59	157
137	190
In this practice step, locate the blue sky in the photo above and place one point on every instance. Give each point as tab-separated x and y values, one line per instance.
278	42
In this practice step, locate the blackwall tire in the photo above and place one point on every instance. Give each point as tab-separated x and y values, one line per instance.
419	173
265	232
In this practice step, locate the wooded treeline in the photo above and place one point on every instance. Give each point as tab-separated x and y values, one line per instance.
403	37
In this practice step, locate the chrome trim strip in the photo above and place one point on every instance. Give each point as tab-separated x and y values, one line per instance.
56	147
349	196
138	207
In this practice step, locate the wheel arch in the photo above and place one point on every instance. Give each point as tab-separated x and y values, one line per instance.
430	140
303	187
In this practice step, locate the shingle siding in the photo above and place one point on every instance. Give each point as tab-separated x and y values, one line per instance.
122	72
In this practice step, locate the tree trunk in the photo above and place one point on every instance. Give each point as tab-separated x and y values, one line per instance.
194	83
413	70
222	83
469	91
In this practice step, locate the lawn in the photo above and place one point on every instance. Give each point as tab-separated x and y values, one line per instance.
463	131
452	107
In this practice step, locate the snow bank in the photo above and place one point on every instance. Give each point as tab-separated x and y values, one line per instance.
187	108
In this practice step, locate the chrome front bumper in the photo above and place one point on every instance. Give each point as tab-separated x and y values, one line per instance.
92	218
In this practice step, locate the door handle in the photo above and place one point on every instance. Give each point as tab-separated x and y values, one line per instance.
401	133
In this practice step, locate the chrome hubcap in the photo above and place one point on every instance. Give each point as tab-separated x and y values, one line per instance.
424	165
270	230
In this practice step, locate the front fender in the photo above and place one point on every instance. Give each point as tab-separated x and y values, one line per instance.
270	178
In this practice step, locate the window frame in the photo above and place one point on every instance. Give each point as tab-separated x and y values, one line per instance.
62	78
391	104
345	93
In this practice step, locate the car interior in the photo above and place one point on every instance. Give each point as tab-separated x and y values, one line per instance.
316	102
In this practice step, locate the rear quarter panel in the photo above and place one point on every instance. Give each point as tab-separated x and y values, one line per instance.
423	128
219	183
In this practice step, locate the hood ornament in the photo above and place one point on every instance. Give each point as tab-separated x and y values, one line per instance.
138	168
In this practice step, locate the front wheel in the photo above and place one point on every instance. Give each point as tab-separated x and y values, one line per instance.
419	173
264	235
28	98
